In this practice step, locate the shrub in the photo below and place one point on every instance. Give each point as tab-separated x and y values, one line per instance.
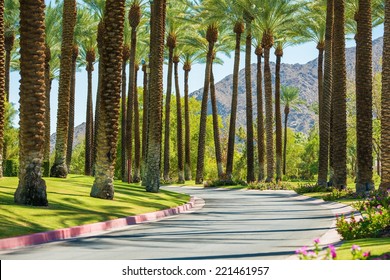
311	188
339	194
269	186
11	168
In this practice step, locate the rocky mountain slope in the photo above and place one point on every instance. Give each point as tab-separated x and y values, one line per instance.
302	76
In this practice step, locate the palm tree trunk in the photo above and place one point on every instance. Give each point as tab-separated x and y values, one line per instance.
339	126
9	44
108	127
260	118
126	56
278	117
137	135
268	113
154	136
187	169
71	108
250	175
2	85
238	29
48	81
144	120
32	188
180	161
385	108
59	168
89	124
286	112
364	140
325	96
212	35
217	140
168	117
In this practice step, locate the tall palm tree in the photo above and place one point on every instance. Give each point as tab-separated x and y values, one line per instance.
339	97
135	14
385	108
289	98
153	160
108	126
2	84
189	57
260	115
32	188
211	37
273	15
180	152
364	131
59	168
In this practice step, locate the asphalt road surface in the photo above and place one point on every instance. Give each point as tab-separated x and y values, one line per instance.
232	224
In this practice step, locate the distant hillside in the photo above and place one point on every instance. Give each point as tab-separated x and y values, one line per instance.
79	136
302	76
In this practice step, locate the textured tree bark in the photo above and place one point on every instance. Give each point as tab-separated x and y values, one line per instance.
180	153
144	121
2	85
126	57
89	131
69	148
187	169
339	94
286	113
59	168
278	117
32	188
250	175
137	137
108	126
385	109
260	116
48	81
154	137
238	29
267	43
217	139
364	139
9	45
211	36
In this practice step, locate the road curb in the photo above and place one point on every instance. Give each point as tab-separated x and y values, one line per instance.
76	231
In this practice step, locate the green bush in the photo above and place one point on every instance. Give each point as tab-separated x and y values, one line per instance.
311	188
270	186
11	168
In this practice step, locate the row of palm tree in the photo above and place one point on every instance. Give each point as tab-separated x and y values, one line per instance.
271	23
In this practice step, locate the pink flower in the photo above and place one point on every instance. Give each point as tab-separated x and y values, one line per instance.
379	206
302	251
367	254
355	248
317	241
332	251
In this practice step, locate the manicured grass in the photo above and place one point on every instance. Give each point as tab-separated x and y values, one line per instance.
70	205
377	247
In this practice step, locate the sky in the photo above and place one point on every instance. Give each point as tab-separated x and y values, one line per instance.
297	54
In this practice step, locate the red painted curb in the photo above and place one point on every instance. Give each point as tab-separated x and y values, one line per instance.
66	233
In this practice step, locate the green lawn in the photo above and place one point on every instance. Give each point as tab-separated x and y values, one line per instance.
377	247
70	205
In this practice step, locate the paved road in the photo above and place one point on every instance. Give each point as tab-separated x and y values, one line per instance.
233	224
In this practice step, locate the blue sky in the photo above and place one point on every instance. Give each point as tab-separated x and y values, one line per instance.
297	54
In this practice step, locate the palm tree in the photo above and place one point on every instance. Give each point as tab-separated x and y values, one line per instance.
88	46
59	168
2	84
339	97
32	188
260	116
385	108
108	127
189	56
211	37
273	15
180	152
228	13
135	14
289	98
364	139
153	155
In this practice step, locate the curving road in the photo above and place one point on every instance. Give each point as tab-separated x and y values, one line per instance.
233	224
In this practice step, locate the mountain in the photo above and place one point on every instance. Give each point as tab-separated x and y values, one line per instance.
302	76
79	136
